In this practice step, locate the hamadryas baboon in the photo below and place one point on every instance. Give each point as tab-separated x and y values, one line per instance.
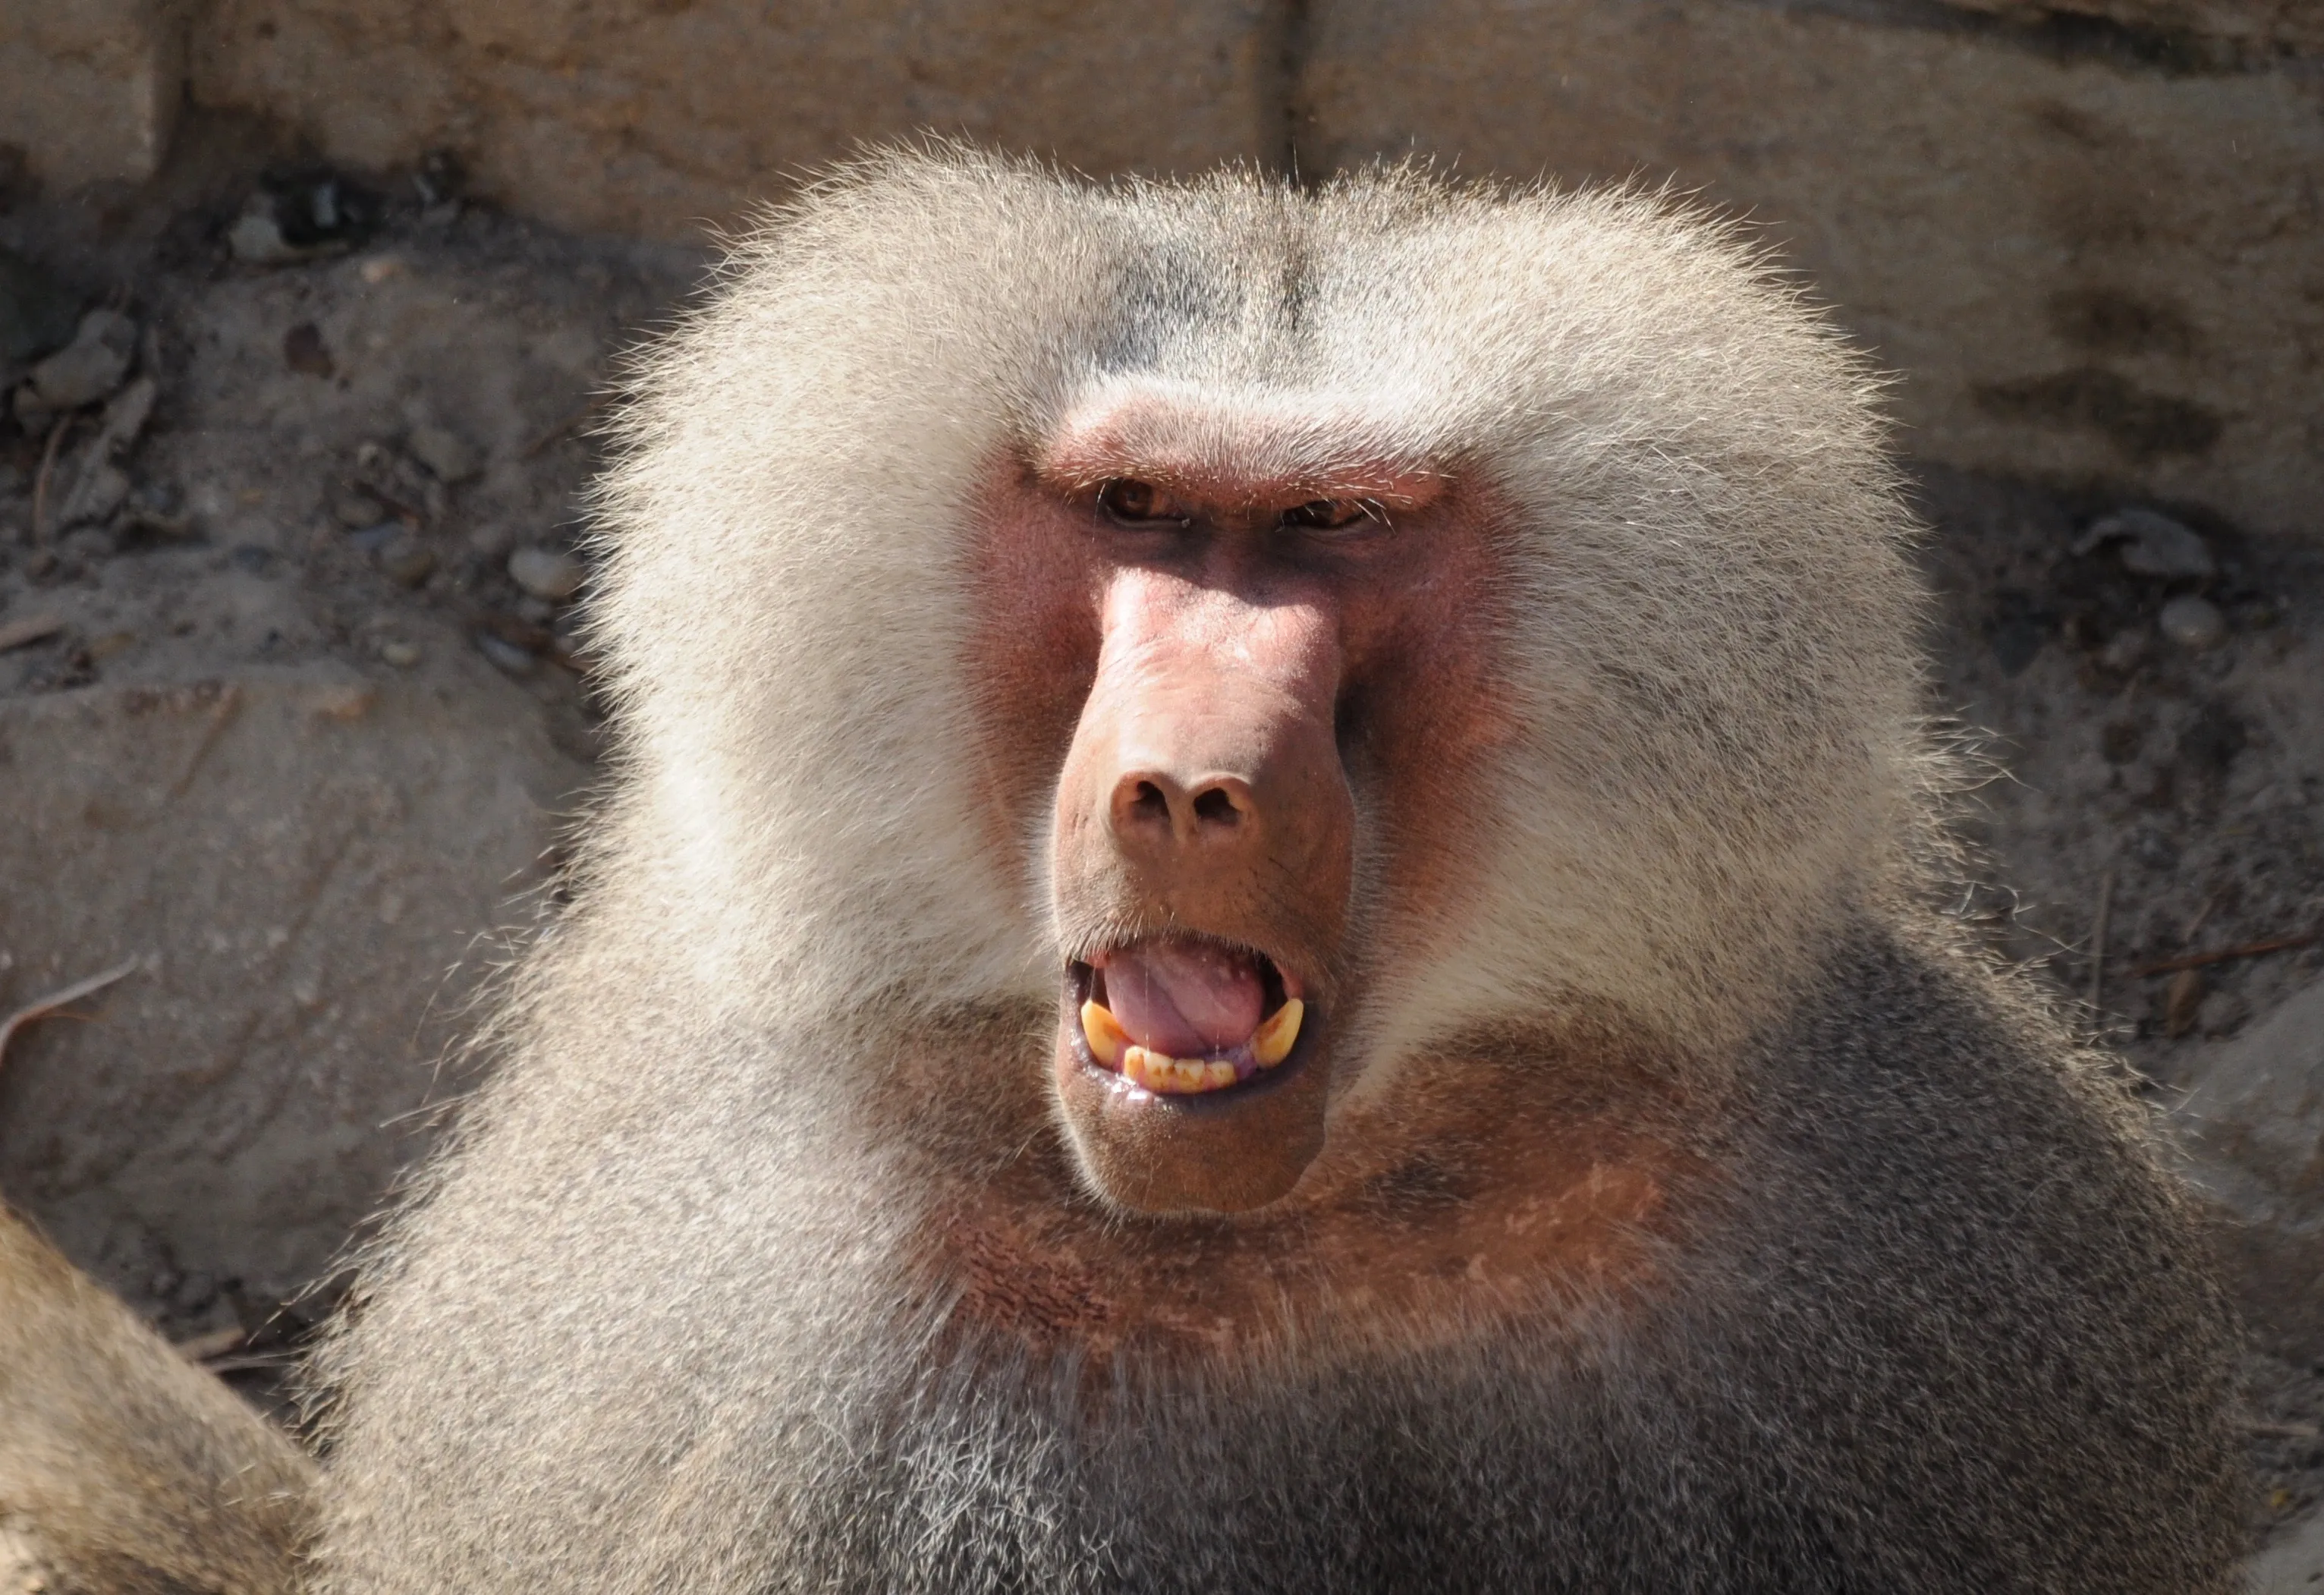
1264	926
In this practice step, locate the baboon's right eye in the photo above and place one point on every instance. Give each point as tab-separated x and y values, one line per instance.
1135	503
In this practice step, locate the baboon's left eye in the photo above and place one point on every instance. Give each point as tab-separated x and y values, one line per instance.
1327	514
1134	502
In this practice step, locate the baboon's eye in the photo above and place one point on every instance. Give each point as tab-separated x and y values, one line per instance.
1328	515
1133	501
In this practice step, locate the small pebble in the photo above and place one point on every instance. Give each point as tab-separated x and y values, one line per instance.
402	655
355	511
406	559
2152	544
90	366
101	489
370	540
546	573
2193	623
445	453
256	237
508	656
31	414
125	415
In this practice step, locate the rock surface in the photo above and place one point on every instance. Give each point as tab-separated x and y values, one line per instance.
2203	31
2293	1563
90	90
2091	264
650	118
2253	1117
297	862
2083	230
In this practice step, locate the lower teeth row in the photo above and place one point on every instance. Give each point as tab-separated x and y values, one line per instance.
1160	1073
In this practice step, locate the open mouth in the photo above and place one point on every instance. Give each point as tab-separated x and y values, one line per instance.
1183	1016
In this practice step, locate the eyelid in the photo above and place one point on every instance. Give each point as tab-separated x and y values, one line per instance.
1336	515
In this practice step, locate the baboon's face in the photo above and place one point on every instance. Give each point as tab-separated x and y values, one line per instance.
1243	688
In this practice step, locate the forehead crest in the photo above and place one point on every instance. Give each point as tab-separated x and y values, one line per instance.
1237	445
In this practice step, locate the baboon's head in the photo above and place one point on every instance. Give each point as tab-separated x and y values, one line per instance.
1247	593
1285	632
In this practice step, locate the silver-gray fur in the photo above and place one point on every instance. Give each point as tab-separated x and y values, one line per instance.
1937	1320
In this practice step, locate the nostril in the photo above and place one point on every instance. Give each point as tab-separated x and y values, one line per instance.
1214	807
1147	803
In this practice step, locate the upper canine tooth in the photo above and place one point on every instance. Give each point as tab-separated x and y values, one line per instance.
1104	1034
1270	1043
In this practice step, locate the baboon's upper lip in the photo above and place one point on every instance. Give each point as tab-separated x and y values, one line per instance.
1184	1016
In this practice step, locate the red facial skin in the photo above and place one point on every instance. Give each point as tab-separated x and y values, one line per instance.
1301	707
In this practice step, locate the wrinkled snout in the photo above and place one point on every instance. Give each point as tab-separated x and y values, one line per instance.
1204	787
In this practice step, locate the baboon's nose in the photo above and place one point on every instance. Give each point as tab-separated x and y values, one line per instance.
1156	809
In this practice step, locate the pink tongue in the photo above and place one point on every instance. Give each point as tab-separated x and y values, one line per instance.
1184	997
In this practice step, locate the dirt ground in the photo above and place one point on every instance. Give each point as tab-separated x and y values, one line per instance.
368	427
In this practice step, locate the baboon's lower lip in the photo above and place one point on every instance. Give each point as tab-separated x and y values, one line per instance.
1185	1017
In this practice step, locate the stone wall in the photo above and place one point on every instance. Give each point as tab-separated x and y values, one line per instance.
657	115
2087	232
90	90
2093	260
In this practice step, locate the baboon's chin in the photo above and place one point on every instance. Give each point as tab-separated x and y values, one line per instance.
1193	1074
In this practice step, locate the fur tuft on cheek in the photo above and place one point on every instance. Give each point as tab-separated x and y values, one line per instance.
786	607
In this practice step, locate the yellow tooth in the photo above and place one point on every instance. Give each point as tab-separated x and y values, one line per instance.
1270	1043
1218	1074
1104	1033
1188	1073
1149	1069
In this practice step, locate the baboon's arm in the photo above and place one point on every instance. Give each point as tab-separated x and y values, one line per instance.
124	1468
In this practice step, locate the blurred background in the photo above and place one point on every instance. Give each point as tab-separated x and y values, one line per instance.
307	306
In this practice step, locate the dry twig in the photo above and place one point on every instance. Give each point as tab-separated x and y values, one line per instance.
17	633
2283	944
42	1007
64	424
2267	1428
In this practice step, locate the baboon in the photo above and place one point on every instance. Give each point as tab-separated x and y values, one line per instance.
1265	923
124	1468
